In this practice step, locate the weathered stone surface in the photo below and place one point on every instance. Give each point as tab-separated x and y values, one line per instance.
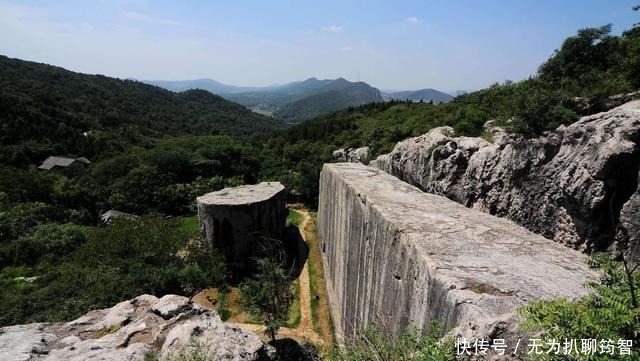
394	255
170	305
235	220
568	185
100	335
354	155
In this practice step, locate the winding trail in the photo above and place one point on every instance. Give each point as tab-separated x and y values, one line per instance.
304	331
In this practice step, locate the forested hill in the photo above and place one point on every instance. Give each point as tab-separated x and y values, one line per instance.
49	110
352	94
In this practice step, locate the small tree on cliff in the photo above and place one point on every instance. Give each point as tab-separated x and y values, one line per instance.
268	294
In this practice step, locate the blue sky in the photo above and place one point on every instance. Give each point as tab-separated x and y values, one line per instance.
390	44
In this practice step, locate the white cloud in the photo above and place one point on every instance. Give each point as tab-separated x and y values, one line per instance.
411	20
332	28
147	19
347	48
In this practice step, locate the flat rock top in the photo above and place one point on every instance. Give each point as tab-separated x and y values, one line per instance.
469	249
245	194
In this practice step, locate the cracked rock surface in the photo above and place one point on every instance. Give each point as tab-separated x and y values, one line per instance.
569	185
395	255
354	155
128	331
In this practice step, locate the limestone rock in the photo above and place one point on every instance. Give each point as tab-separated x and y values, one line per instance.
171	305
354	155
236	344
102	335
568	185
235	221
395	255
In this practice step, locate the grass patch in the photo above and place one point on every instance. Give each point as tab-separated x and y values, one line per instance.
190	224
294	311
488	136
322	322
294	218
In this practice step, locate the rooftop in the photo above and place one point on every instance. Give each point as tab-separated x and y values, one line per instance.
59	161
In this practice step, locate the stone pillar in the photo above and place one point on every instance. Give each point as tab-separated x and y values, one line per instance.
235	221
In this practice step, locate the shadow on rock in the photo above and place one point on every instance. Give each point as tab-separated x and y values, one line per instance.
296	249
287	349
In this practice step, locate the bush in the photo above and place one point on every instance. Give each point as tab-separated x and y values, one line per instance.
610	312
52	242
374	344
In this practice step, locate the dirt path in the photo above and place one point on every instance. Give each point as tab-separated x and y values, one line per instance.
304	331
306	320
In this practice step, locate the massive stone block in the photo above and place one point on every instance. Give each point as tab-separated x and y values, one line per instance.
568	185
236	220
394	256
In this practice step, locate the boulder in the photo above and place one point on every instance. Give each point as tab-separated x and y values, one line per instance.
128	331
170	306
354	155
394	256
568	185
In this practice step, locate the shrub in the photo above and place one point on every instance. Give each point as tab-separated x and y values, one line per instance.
610	312
373	343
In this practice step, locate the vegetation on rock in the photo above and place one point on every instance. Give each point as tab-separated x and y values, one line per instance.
373	343
610	313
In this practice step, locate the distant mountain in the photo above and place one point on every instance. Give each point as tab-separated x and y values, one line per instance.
342	96
293	102
421	94
211	85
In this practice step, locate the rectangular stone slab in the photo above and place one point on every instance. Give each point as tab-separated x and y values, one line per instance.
394	256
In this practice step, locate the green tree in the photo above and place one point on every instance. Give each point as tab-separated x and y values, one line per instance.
268	294
53	242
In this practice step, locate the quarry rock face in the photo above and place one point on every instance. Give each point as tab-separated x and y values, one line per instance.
354	155
236	220
128	331
568	185
395	255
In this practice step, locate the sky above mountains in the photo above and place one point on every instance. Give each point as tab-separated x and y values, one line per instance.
398	44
